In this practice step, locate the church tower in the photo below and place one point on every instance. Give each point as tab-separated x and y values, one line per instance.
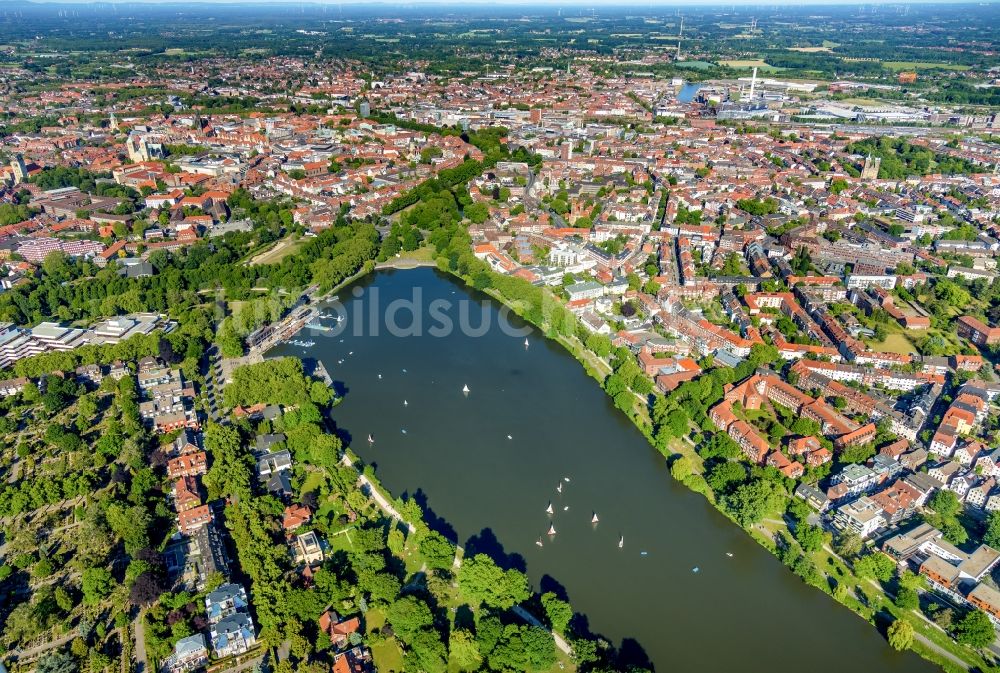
870	171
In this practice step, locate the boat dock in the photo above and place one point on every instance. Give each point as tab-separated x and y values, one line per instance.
272	335
319	371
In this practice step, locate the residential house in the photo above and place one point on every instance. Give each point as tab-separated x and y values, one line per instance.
355	660
188	465
226	600
813	496
857	478
190	520
306	548
945	472
295	516
863	516
980	493
189	653
186	494
898	501
232	635
339	630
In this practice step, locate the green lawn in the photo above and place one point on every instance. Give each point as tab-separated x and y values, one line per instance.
922	65
895	343
341	542
388	657
312	481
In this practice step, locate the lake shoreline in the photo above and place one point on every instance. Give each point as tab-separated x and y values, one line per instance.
594	371
933	653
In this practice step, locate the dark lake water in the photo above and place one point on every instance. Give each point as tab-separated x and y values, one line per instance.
740	613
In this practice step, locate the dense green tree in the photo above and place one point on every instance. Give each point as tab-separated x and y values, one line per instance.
907	599
558	611
482	581
875	566
97	583
437	551
463	651
750	502
810	537
900	635
975	630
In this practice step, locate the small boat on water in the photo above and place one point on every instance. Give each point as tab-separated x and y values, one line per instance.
559	488
509	437
539	542
465	389
405	403
566	508
404	371
621	542
318	326
526	343
379	377
729	554
566	479
371	440
594	518
548	509
552	529
695	569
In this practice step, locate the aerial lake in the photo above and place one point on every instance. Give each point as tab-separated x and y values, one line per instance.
486	464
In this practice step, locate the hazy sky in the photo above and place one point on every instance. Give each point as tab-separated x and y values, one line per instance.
535	3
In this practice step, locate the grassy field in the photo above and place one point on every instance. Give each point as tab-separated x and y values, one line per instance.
387	655
895	343
697	65
406	258
748	63
922	65
276	252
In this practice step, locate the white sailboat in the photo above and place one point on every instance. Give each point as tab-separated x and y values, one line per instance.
559	488
548	510
526	342
566	479
552	529
379	377
465	389
371	440
405	403
539	542
594	518
621	542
